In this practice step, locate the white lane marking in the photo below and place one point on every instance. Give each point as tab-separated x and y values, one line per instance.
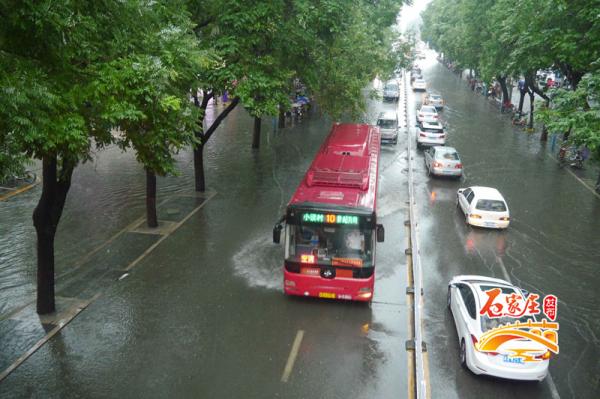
553	390
503	268
549	380
292	358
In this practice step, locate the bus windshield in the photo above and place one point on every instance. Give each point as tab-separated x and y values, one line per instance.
330	245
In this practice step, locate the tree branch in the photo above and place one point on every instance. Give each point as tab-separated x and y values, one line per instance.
209	132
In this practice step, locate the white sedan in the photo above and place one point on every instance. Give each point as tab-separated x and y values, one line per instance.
466	296
427	113
483	207
419	84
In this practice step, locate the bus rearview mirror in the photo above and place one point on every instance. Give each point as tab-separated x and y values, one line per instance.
380	233
277	233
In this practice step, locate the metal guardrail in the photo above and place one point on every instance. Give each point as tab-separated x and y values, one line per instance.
421	386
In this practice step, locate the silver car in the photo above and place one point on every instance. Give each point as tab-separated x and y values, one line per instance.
391	91
388	126
443	161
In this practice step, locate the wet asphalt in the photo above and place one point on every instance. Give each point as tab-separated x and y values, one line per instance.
204	314
552	245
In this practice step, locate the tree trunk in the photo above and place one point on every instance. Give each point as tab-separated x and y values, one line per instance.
151	218
544	135
505	98
46	216
199	168
531	99
256	135
281	116
203	137
521	101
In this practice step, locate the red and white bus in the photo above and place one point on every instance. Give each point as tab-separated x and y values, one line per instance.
331	225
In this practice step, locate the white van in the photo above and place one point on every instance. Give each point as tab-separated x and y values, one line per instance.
388	126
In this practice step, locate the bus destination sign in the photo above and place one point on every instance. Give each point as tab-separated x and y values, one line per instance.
329	218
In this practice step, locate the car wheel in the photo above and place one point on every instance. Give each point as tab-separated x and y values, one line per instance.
467	219
429	172
449	299
463	354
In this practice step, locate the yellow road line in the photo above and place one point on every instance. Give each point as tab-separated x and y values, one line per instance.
292	357
18	191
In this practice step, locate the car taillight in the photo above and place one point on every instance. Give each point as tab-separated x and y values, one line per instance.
492	353
474	339
365	292
437	165
545	356
475	216
505	218
442	136
422	135
435	116
458	166
420	115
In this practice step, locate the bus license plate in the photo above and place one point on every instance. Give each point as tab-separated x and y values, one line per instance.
329	295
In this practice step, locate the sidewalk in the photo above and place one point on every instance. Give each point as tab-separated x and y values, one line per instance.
22	330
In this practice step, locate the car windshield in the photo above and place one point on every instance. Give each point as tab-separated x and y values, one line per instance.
328	245
435	97
419	81
428	110
491	205
453	156
387	123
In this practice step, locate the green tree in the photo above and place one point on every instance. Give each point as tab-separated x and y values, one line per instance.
148	95
578	112
52	54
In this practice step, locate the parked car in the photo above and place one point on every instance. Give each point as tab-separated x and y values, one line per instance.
434	99
419	84
466	296
427	113
483	207
443	161
391	91
430	134
388	126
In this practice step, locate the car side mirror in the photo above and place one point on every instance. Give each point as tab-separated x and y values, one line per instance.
277	233
380	233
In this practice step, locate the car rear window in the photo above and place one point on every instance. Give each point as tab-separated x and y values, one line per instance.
438	131
449	155
491	205
391	87
489	323
434	97
430	110
387	123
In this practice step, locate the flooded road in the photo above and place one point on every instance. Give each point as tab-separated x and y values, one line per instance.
551	247
204	314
